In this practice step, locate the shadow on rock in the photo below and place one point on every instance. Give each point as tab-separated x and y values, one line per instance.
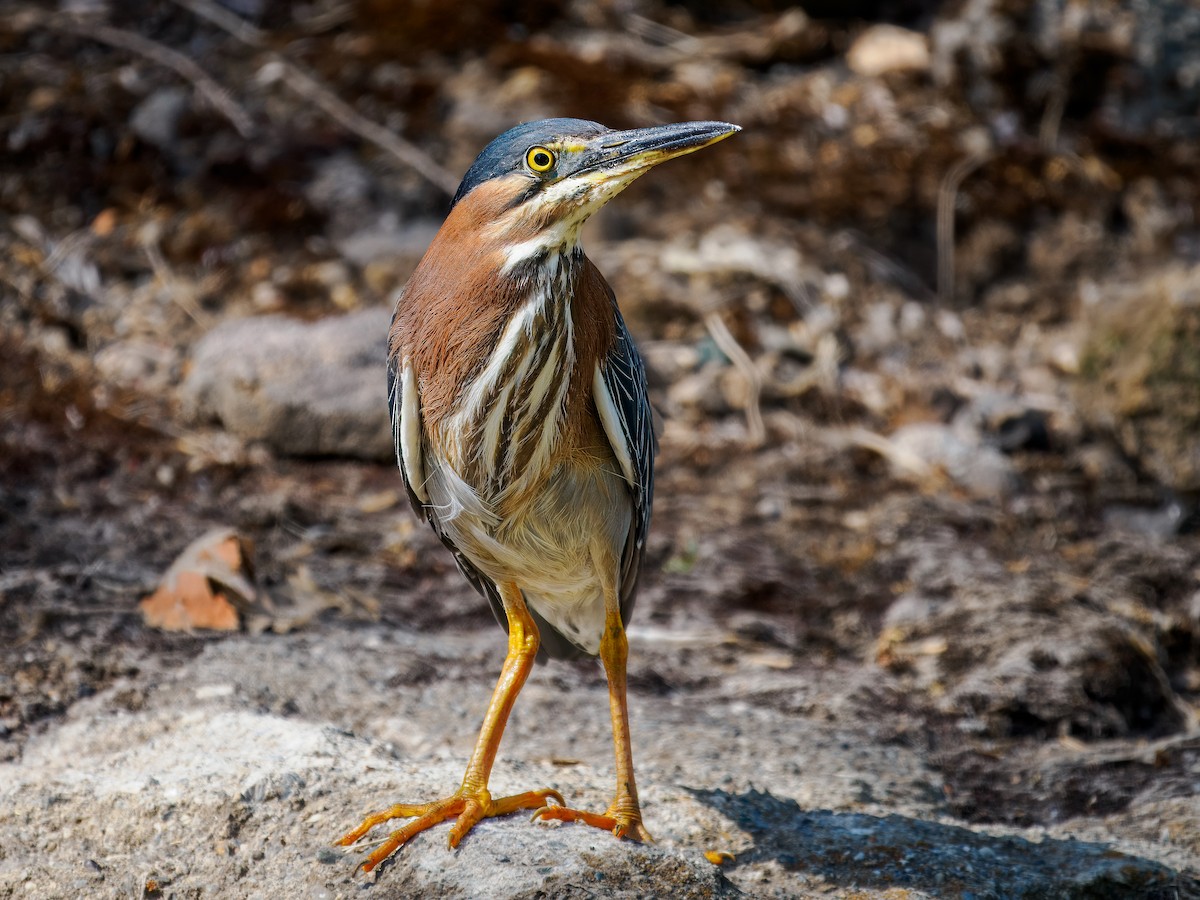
854	849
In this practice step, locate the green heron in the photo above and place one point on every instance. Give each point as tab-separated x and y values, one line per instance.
523	432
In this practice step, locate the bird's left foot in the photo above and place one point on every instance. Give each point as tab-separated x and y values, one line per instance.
622	819
469	806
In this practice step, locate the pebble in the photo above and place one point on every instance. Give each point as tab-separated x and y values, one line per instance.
156	119
981	470
887	48
146	366
1160	523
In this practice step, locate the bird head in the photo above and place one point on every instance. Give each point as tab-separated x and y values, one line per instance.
542	180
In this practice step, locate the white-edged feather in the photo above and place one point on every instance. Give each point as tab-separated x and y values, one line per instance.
610	418
409	428
459	507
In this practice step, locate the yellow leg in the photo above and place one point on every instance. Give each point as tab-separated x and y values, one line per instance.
624	815
472	801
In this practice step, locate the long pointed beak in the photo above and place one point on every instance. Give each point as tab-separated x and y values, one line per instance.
618	153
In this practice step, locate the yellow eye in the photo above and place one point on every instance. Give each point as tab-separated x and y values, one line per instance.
539	159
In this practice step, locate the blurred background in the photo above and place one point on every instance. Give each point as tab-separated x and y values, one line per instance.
925	339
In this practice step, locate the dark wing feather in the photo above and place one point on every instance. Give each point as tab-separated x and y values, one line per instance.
553	644
624	376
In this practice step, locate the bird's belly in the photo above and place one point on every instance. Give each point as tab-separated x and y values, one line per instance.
567	523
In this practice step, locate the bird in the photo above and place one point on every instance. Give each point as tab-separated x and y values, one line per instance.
524	434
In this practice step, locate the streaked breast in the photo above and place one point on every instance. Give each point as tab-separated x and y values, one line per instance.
509	418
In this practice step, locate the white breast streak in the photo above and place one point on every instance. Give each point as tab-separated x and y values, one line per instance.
482	385
537	392
409	429
556	236
550	428
545	378
492	424
610	418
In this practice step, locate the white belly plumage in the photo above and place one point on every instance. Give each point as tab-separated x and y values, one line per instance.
549	550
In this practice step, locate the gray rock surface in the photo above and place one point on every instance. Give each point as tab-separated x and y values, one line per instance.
303	388
980	640
231	776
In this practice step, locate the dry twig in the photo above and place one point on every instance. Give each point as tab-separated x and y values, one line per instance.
182	296
729	345
898	456
1056	104
658	44
947	195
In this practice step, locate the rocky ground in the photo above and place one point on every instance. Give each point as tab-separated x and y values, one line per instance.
921	609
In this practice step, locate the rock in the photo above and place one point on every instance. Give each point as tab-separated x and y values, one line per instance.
210	794
1162	523
1139	373
893	851
156	119
169	787
981	470
305	389
385	240
888	48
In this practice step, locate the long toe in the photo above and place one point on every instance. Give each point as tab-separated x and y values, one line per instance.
470	806
398	811
624	824
432	814
483	806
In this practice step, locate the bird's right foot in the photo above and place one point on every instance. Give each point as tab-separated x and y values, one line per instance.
622	818
469	805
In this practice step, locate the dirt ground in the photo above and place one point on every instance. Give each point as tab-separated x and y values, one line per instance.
920	615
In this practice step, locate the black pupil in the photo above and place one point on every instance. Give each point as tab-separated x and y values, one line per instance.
541	159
